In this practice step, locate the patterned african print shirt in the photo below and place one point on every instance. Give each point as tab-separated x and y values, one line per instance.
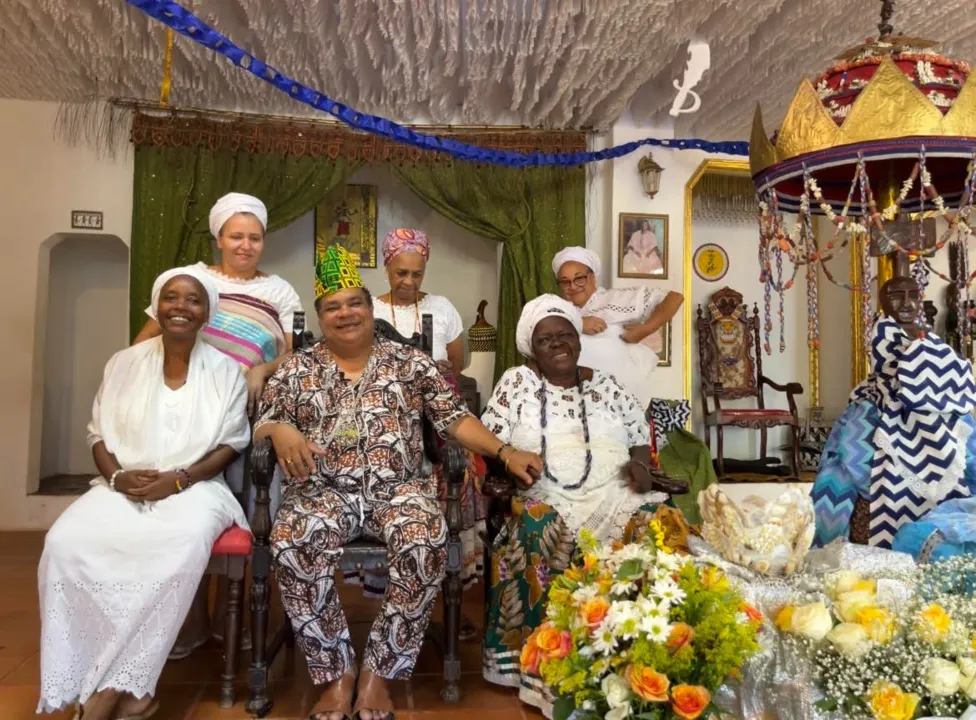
371	431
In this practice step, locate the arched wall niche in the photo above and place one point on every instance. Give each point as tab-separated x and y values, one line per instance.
80	322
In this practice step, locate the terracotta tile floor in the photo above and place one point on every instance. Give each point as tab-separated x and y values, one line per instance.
189	690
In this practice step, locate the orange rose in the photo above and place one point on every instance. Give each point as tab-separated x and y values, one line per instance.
531	657
648	684
593	611
681	635
552	643
689	701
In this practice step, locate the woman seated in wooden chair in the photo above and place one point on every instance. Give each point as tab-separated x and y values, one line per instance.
121	565
598	474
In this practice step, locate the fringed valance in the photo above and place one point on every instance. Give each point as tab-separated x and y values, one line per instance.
319	140
724	198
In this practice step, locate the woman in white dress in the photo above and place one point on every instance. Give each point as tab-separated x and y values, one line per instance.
642	255
253	326
618	324
598	474
405	255
120	567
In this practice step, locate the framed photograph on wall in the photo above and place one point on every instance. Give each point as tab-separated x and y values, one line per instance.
642	246
660	343
347	217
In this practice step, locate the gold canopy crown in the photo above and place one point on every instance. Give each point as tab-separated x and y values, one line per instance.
890	106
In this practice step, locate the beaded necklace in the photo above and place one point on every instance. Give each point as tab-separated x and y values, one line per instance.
586	435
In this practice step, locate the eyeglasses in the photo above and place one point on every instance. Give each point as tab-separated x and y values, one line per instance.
577	282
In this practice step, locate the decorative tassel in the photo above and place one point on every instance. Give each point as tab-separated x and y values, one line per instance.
167	68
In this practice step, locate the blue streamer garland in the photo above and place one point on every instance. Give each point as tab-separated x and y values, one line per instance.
189	25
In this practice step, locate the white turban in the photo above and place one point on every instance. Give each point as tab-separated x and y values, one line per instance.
213	295
535	311
233	203
576	254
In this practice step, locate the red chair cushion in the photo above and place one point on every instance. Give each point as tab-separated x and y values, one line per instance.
233	541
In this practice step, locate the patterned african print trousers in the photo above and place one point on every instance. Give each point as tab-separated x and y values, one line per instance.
312	526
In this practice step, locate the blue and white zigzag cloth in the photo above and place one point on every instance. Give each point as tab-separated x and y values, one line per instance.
923	392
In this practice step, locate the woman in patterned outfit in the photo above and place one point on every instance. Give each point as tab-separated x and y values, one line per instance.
594	441
345	418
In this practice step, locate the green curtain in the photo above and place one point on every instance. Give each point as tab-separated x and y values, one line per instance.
175	187
535	212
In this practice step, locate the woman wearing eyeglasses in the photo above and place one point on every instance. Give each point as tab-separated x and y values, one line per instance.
618	324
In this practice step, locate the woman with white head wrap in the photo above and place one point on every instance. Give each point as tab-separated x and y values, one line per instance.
598	474
620	326
253	326
120	567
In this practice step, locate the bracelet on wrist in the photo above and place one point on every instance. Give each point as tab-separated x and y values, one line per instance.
111	480
186	482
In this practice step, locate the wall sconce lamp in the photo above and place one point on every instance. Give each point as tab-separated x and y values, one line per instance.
650	173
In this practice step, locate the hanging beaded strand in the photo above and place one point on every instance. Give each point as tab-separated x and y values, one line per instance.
544	421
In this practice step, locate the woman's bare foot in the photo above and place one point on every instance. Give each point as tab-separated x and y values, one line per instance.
130	707
101	705
335	703
373	700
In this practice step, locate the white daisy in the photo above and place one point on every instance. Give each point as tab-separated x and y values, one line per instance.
668	590
657	629
623	587
604	641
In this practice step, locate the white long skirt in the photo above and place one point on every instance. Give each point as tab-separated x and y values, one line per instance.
116	580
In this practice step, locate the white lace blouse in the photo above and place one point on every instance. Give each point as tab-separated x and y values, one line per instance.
447	321
604	503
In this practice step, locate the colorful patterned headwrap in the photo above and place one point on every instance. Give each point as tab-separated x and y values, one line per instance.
336	270
404	240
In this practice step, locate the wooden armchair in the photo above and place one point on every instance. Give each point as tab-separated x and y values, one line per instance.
731	369
359	555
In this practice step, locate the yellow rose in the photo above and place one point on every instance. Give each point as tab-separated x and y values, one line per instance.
850	639
888	702
840	582
849	603
870	585
812	621
784	618
941	677
933	624
878	622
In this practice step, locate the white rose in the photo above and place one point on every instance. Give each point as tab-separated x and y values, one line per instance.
618	713
617	691
849	603
850	639
841	582
967	683
941	677
812	621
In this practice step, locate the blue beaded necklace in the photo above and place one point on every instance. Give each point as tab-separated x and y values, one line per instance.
586	434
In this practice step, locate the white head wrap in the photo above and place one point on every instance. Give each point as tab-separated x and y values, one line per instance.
233	203
539	309
213	295
576	254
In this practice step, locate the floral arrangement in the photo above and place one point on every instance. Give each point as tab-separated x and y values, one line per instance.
634	631
892	663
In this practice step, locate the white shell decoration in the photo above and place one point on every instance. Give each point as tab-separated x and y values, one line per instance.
771	538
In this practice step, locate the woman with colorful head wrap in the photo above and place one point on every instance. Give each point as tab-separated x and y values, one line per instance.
405	255
252	326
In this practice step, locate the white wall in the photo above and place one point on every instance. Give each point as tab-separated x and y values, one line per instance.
87	323
463	266
41	183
